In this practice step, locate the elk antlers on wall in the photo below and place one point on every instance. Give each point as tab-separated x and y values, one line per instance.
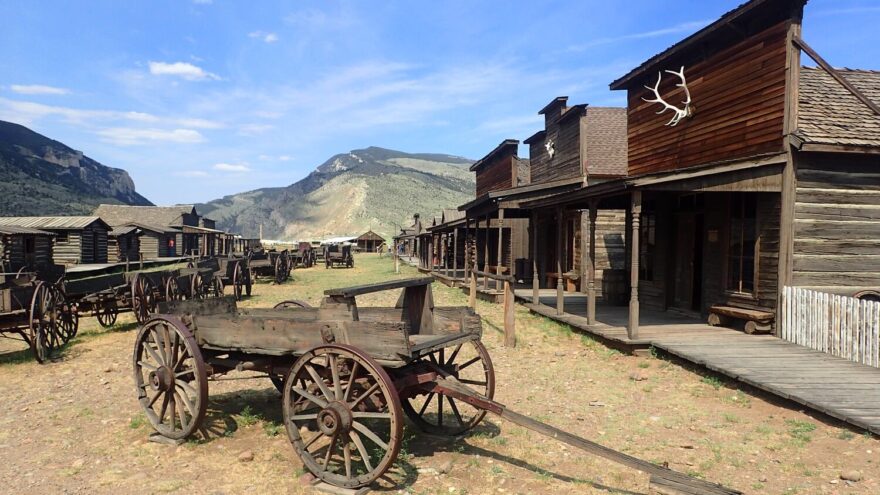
680	113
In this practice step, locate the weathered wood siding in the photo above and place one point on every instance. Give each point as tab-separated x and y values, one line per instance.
12	249
566	161
496	175
738	96
67	250
837	223
125	247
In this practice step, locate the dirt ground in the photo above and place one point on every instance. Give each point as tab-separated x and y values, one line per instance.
74	425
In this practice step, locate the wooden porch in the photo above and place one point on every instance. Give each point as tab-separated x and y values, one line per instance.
834	386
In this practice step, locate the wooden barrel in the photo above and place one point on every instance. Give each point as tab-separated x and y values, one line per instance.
615	287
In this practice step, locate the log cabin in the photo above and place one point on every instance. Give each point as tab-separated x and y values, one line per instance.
23	247
137	241
185	232
746	173
76	240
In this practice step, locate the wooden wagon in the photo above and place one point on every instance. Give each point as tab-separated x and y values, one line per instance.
271	264
348	376
35	310
228	271
338	255
304	255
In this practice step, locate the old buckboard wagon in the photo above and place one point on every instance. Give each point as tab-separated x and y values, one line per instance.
350	375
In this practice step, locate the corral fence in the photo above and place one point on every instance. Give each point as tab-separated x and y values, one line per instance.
838	325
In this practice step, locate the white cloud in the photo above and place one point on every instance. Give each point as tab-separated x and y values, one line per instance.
37	89
254	129
183	70
265	36
285	158
232	167
191	173
127	136
685	27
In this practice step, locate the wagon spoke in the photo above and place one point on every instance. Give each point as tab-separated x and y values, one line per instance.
366	394
455	411
439	409
175	351
469	362
426	404
303	417
168	353
359	444
329	452
369	434
471	382
320	383
351	379
155	397
337	384
371	415
312	441
453	355
147	365
346	454
153	352
185	399
172	417
320	402
164	408
181	414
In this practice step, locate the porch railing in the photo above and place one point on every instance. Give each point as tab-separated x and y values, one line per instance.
842	326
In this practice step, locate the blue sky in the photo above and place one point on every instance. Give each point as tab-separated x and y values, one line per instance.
198	99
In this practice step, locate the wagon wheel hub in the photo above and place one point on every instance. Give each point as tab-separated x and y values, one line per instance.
162	379
335	418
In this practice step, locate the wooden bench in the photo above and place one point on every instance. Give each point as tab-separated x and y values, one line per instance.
756	321
569	280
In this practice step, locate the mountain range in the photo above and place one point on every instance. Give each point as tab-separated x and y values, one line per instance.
41	176
373	188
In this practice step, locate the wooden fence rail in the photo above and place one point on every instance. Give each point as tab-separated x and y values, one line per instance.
838	325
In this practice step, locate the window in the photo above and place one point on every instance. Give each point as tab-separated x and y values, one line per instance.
742	243
647	244
61	236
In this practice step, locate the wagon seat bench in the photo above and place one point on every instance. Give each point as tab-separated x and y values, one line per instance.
350	374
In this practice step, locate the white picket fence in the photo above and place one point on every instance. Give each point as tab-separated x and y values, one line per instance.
841	326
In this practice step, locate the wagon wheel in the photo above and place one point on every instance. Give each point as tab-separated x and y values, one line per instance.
342	415
237	281
470	364
349	262
196	286
292	303
107	314
42	335
67	319
143	300
279	270
170	377
172	290
216	289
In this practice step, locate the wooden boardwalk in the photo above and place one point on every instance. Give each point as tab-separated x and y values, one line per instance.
839	388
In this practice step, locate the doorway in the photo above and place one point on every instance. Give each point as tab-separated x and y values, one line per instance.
687	288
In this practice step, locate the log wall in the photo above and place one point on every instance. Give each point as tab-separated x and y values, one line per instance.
837	223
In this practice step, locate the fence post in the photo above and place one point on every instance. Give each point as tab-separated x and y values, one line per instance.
396	262
472	296
509	319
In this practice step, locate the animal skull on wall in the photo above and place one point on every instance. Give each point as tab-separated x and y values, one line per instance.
550	146
680	113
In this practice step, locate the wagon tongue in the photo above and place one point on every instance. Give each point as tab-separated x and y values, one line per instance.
660	477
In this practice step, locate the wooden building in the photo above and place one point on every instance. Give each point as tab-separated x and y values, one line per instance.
77	240
23	247
406	243
139	241
180	228
757	175
369	242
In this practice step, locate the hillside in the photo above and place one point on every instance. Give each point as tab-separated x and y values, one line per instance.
40	176
373	188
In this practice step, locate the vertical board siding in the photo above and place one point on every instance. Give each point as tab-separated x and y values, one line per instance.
739	98
496	175
566	161
842	326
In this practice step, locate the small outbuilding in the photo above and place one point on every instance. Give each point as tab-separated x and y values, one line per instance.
24	247
78	240
369	241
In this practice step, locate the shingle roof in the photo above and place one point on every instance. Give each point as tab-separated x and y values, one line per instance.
151	215
829	114
12	230
451	215
606	141
122	230
51	223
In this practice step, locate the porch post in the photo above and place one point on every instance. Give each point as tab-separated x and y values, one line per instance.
467	235
536	278
500	258
560	288
455	253
632	328
486	253
591	266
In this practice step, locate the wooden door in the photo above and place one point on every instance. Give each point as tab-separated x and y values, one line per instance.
684	261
